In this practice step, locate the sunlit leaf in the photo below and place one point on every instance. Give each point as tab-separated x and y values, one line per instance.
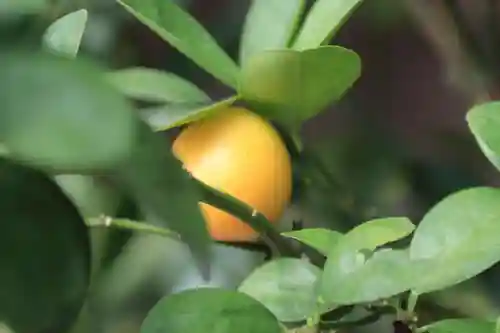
324	19
65	35
465	325
484	122
269	24
457	239
292	86
162	118
183	32
323	240
153	85
286	287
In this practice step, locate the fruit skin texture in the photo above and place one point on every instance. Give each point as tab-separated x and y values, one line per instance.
239	153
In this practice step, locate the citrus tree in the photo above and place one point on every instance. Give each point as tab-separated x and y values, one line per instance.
228	177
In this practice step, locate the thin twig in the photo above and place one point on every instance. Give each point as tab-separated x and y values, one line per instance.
124	224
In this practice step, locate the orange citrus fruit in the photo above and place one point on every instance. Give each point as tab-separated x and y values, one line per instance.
238	152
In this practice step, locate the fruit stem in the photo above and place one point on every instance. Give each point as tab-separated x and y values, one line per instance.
253	218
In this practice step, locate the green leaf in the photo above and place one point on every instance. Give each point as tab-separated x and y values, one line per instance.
324	19
153	85
44	253
209	310
162	118
165	192
183	32
285	286
348	261
59	113
65	35
484	122
91	196
292	86
466	325
457	239
16	7
269	24
350	278
323	240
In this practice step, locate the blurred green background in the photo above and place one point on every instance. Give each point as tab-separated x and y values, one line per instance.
396	144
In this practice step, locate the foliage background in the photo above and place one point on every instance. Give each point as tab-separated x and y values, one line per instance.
398	140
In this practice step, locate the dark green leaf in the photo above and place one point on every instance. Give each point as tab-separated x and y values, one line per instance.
162	118
484	122
325	18
165	192
210	310
457	239
286	287
153	85
466	325
44	253
65	35
350	278
323	240
60	114
183	32
292	86
269	24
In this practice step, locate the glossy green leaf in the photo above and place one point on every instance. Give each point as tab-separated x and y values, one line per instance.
162	118
210	310
165	192
323	240
59	113
65	35
286	287
292	86
350	259
269	24
351	278
44	253
465	325
324	19
457	239
484	122
153	85
183	32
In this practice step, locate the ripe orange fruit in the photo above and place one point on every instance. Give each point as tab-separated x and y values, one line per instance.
239	153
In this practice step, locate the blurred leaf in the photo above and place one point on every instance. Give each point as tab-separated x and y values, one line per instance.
285	286
292	86
91	196
269	24
65	35
484	122
210	310
162	118
323	240
324	19
16	7
183	32
165	192
58	113
350	278
153	85
457	239
44	253
466	325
